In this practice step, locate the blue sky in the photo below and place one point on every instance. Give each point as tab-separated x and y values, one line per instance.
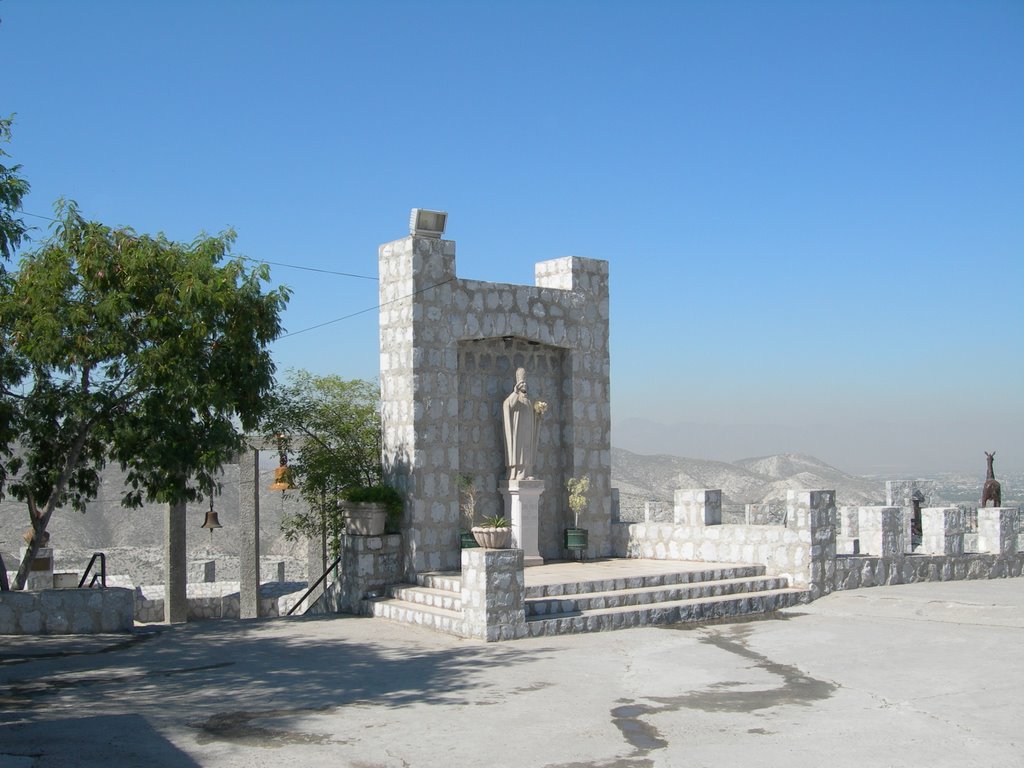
813	212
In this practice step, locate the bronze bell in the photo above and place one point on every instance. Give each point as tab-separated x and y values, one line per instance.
211	521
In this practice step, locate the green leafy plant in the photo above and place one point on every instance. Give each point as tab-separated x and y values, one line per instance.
494	521
577	487
335	425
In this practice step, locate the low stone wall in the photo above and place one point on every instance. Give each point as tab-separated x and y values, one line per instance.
856	571
66	611
219	600
493	594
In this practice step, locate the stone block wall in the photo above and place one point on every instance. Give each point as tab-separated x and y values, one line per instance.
942	531
883	531
493	594
67	611
997	529
698	507
368	565
449	348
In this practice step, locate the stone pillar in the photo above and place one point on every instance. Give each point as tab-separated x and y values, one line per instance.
493	594
249	534
997	529
522	505
942	531
884	531
813	515
697	507
175	565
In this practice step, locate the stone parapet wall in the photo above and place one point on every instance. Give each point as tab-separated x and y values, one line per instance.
66	611
783	551
997	529
217	600
854	572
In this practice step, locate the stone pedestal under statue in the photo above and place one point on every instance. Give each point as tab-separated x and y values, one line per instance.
522	502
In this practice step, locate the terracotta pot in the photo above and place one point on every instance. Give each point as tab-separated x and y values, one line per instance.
365	518
492	538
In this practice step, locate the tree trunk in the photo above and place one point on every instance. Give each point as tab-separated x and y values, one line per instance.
42	519
4	585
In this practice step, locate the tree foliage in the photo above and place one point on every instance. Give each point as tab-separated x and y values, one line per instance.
134	349
334	425
12	189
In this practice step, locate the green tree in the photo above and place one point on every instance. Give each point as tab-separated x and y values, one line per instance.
334	424
133	349
12	189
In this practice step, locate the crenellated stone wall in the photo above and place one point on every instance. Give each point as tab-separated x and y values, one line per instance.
449	348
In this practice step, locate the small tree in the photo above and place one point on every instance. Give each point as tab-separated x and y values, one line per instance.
338	421
467	500
577	487
134	349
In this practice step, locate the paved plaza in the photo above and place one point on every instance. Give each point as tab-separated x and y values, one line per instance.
924	674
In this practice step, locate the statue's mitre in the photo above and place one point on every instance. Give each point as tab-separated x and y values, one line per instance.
520	375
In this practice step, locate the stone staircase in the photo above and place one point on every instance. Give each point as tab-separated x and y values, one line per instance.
599	604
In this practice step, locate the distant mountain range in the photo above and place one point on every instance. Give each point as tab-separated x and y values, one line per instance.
766	479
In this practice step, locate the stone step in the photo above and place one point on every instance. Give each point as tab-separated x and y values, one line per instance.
405	612
428	596
448	581
669	612
641	582
645	595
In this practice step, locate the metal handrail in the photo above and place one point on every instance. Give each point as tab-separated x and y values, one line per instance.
102	575
316	584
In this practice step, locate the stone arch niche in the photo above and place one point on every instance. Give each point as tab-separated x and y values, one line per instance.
449	348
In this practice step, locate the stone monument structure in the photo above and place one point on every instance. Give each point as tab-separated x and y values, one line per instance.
449	351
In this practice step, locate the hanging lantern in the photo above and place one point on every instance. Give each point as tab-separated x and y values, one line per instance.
282	475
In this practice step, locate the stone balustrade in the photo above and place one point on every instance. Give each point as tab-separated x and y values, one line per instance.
66	611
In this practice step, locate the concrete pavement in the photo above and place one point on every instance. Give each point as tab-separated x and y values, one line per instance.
925	674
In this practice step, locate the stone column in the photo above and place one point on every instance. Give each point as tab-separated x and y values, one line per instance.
697	507
368	565
942	531
175	565
493	594
813	515
997	530
40	573
249	534
522	505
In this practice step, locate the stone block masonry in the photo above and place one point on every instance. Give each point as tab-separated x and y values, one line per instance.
449	348
493	594
67	611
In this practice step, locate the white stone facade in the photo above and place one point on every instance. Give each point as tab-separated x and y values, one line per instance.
449	348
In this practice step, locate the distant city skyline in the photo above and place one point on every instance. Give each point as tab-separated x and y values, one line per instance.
811	212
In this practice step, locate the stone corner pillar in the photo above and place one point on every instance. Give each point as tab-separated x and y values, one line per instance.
493	594
942	531
698	507
997	530
813	515
522	505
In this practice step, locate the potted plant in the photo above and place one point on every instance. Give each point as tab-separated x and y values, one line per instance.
576	538
467	510
370	509
493	533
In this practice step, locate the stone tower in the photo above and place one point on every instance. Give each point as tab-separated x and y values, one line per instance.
449	348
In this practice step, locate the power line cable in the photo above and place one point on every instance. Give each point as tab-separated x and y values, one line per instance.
364	311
